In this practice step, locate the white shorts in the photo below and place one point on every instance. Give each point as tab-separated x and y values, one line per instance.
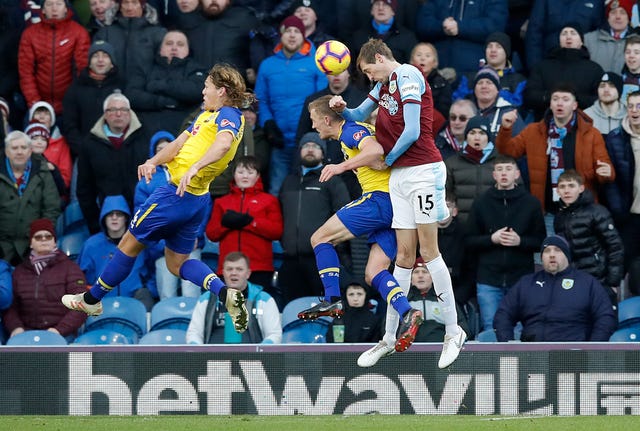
418	195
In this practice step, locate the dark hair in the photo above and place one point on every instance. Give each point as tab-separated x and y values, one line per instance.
369	50
571	175
635	93
563	87
501	158
632	39
249	162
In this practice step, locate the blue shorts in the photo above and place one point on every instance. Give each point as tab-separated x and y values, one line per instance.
371	215
165	215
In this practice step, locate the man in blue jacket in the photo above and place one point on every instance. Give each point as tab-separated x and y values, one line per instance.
558	303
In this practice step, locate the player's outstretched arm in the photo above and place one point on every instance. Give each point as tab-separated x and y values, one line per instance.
361	113
148	168
216	151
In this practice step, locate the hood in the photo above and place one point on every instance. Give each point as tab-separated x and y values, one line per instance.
113	203
157	137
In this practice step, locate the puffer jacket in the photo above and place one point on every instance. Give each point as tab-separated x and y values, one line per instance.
51	53
36	298
596	246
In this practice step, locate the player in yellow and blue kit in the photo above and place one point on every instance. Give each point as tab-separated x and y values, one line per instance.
369	214
174	212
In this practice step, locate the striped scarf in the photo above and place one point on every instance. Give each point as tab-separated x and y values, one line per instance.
555	152
40	261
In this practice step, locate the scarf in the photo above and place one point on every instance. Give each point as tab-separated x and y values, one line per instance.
40	262
477	156
555	152
19	183
451	140
381	28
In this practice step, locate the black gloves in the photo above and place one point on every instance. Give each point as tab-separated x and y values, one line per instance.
234	220
273	134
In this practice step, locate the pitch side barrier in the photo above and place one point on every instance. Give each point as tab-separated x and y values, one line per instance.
508	379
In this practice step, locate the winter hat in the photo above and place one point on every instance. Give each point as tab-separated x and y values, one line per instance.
306	3
627	5
43	104
559	242
37	129
479	122
489	73
392	3
576	26
104	46
292	21
614	79
42	224
315	138
419	263
501	38
4	107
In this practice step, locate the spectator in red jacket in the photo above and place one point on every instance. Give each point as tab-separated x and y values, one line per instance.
50	53
38	284
247	219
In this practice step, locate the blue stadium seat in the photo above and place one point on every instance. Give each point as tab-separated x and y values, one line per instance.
629	334
277	254
291	310
101	337
488	336
73	219
173	313
629	312
165	336
37	338
121	314
71	243
306	332
211	254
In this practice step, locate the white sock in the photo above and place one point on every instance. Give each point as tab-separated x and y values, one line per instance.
444	290
403	277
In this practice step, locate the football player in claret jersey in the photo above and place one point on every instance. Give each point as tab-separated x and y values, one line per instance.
416	184
369	214
174	212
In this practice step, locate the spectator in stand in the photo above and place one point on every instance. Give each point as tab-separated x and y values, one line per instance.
306	204
5	127
9	42
384	26
248	220
27	193
188	15
631	69
425	57
459	28
608	111
100	247
39	135
38	283
596	246
283	83
423	297
107	165
167	91
470	172
83	100
557	303
504	230
451	139
548	19
306	11
134	32
6	292
451	245
210	322
99	10
497	55
567	63
358	324
621	197
606	44
51	53
564	139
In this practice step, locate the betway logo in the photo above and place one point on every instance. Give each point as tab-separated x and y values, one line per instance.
615	393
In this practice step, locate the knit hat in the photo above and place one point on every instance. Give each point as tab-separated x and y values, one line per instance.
292	21
501	38
577	27
37	129
627	5
306	3
489	73
4	107
614	79
559	242
479	122
315	138
42	104
104	46
419	263
42	224
392	3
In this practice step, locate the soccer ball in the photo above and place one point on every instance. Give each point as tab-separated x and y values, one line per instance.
333	57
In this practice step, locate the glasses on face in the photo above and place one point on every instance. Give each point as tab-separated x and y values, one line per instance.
115	110
43	237
454	117
312	145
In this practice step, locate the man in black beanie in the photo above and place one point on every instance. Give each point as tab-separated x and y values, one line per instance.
607	112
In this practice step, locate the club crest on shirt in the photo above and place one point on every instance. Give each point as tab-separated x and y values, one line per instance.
567	283
393	86
389	103
226	122
358	135
195	129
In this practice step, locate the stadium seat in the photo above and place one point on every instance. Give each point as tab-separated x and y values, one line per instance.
165	336
71	243
629	312
211	254
37	338
291	310
173	313
73	219
101	337
121	314
629	334
277	254
306	332
488	336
